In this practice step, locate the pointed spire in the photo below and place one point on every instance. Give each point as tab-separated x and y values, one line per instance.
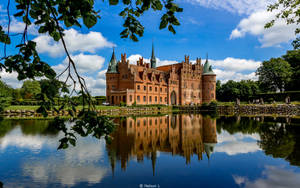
207	69
153	159
112	66
153	59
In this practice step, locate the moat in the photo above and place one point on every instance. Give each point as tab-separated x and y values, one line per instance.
187	150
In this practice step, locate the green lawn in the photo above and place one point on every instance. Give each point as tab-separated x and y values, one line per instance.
18	107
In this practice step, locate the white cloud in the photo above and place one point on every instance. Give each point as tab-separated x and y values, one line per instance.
274	177
75	42
235	64
254	25
10	79
18	27
235	144
84	63
234	6
224	76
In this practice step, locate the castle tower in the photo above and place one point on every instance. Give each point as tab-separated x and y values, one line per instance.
209	135
153	59
112	79
112	66
208	83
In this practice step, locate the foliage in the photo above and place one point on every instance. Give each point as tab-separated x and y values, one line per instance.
52	17
30	89
288	10
274	74
271	96
293	58
5	95
232	90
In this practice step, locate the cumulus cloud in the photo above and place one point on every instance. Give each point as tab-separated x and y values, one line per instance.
254	25
274	177
18	27
75	41
236	6
235	64
235	144
10	79
84	63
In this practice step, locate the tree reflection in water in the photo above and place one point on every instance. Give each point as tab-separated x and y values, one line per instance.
279	137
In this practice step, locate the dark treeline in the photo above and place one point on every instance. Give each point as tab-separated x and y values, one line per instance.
275	75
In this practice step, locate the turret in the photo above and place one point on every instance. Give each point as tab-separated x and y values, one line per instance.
153	59
208	83
112	66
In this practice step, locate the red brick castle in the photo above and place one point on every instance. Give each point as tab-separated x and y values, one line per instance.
178	84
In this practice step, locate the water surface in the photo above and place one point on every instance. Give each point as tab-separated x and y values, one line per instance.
163	151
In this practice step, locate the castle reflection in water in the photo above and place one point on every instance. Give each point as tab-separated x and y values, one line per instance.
183	135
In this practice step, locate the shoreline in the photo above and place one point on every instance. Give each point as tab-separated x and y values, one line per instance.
241	110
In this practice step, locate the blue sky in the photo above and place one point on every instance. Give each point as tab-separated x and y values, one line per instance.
230	31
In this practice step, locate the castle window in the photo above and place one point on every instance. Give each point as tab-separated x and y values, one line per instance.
150	98
160	99
130	96
184	94
144	98
166	90
160	121
192	95
155	89
138	98
165	99
150	88
212	95
155	121
160	89
145	122
155	98
113	87
138	123
145	88
199	94
150	121
138	87
192	85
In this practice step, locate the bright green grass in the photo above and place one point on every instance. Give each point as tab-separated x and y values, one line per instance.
18	107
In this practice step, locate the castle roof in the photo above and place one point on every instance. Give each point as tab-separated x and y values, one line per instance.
112	66
207	70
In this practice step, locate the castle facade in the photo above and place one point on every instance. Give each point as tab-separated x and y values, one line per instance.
183	83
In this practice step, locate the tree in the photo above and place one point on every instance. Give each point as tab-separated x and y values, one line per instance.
274	74
293	58
30	89
5	95
52	17
231	90
288	10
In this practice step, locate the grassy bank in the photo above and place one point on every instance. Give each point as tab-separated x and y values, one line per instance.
18	107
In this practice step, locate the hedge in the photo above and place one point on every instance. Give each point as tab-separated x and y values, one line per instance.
270	97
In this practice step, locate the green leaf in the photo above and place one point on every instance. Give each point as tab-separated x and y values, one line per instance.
19	14
89	20
113	2
170	28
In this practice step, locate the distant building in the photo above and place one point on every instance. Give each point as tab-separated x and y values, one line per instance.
178	84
